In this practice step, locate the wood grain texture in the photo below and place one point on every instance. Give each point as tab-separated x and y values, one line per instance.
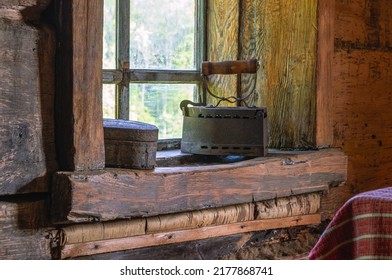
287	81
112	194
251	31
205	249
201	218
285	42
222	44
304	204
26	106
79	133
99	247
363	24
363	119
362	92
23	228
324	72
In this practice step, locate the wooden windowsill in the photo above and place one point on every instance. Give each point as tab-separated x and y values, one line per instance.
122	193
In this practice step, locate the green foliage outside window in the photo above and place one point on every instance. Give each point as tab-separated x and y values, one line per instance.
162	37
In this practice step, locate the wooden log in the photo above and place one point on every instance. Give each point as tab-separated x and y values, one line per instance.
297	205
201	218
79	134
26	103
99	247
114	194
102	231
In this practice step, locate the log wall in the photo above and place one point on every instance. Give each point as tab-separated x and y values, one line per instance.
362	95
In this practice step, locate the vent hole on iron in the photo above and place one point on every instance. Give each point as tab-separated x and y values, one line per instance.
215	148
227	116
218	116
247	148
225	148
201	116
236	148
204	147
209	116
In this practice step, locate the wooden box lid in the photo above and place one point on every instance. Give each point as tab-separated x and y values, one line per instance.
115	129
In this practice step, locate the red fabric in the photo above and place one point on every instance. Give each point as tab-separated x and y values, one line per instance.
361	229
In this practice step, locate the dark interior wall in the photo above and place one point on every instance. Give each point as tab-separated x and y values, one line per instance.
362	95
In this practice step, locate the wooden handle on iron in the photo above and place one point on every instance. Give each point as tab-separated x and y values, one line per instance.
229	67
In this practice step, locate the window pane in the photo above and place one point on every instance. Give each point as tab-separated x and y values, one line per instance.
159	104
162	34
109	35
108	94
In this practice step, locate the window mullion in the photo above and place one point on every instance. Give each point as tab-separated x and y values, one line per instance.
122	55
164	76
200	52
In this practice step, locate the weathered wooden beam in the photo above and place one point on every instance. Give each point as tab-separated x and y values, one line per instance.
79	130
324	71
111	245
286	82
27	55
119	193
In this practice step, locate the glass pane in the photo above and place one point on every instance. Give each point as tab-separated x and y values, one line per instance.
109	35
109	101
159	104
162	34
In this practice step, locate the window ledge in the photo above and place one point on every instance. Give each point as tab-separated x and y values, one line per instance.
122	193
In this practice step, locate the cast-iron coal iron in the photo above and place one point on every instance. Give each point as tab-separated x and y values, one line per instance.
214	130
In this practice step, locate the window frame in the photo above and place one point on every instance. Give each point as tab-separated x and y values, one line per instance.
123	75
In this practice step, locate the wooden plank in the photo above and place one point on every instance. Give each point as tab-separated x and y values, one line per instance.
99	247
79	134
222	44
287	81
251	30
23	227
324	70
205	249
112	194
27	149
